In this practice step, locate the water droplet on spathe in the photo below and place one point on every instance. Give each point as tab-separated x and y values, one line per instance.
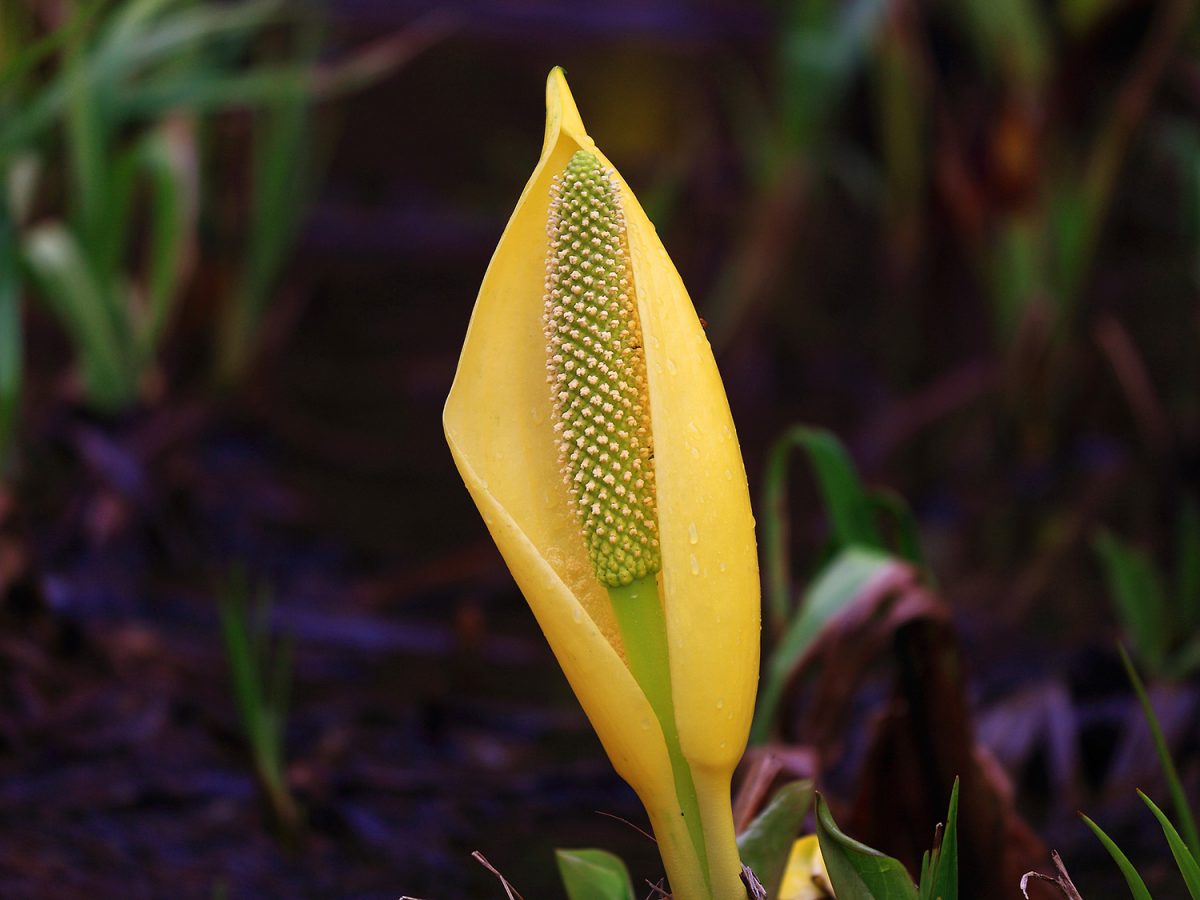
695	565
723	567
693	534
671	365
696	452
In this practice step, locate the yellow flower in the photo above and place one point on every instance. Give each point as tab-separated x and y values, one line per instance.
805	877
500	424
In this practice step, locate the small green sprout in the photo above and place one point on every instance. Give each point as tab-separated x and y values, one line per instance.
260	667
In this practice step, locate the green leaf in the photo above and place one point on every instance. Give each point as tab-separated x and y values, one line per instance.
1137	887
166	166
851	512
69	287
1188	867
11	346
939	879
856	871
1137	596
822	45
594	875
765	844
1174	785
280	191
835	588
908	537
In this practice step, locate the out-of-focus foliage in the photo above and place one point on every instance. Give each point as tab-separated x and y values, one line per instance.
860	873
1161	618
1185	846
260	669
858	552
108	102
766	843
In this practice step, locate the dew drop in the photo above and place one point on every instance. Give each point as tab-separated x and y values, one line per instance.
720	704
696	452
729	474
695	565
693	534
671	366
578	616
723	567
538	415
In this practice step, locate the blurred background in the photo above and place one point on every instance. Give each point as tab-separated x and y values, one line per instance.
254	638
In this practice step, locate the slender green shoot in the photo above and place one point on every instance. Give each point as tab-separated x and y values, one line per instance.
1185	859
260	668
11	348
1179	799
1137	886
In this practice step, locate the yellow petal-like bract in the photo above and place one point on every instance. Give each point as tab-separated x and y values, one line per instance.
499	423
805	877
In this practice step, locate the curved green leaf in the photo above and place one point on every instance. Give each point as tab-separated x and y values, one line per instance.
594	875
856	871
1188	867
765	844
1137	887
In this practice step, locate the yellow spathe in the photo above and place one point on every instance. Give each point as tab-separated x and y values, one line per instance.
499	426
805	877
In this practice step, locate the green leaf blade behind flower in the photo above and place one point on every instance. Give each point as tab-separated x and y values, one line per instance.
1137	596
836	587
1188	867
767	841
1137	887
1179	799
594	875
856	871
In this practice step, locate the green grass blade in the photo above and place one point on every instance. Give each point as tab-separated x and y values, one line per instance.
1137	887
944	859
1174	785
87	145
11	337
1137	595
846	502
888	503
69	287
166	163
204	91
280	192
1188	867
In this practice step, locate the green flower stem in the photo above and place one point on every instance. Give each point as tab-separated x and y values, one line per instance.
644	633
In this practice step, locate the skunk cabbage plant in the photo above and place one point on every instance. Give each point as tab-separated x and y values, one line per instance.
589	422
